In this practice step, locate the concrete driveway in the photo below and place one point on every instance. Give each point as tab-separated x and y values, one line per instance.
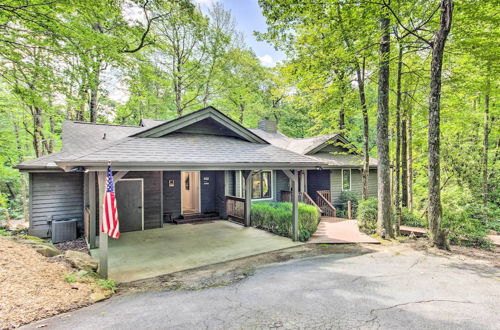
144	254
384	289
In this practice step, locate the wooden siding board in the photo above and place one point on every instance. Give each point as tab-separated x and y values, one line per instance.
172	195
54	194
335	184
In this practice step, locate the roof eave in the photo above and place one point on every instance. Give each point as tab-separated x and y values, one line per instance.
158	166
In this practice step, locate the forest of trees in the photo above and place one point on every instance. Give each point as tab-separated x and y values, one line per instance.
412	83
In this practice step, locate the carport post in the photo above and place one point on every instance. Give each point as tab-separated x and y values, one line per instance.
248	196
295	206
93	213
103	238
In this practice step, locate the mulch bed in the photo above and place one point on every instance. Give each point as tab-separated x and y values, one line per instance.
32	286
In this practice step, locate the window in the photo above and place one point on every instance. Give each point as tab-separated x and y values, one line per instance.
261	185
346	179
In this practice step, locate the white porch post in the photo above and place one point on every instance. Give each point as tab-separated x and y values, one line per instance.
103	238
295	205
248	197
93	210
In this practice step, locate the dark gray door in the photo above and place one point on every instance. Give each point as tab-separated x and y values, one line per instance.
129	204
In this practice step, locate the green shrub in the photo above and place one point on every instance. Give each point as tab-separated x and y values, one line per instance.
367	215
5	232
410	219
70	278
345	197
277	218
466	230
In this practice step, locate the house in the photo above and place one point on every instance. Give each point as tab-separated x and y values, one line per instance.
199	166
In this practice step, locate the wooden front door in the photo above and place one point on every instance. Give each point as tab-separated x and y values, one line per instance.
129	202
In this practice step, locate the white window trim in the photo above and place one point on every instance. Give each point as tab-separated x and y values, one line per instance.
350	179
271	187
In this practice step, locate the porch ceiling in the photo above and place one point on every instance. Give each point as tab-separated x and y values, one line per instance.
144	254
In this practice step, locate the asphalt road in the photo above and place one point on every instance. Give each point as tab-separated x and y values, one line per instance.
386	289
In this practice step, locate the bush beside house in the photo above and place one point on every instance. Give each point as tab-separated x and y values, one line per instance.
367	215
277	218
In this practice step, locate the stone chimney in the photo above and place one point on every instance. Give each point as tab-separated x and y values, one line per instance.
268	125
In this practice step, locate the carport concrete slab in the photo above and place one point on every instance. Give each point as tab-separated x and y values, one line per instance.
149	253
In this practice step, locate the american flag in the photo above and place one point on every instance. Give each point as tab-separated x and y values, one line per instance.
110	223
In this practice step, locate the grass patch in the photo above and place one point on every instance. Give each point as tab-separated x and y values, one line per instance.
106	284
5	232
70	278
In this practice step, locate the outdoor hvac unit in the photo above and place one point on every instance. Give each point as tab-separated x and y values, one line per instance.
64	230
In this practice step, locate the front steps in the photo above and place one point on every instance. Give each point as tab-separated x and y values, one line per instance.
197	217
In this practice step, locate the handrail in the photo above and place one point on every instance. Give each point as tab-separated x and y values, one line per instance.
325	205
308	200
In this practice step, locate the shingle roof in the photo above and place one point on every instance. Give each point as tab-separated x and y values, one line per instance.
78	136
180	148
305	145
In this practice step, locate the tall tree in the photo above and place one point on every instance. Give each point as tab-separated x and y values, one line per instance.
438	235
384	223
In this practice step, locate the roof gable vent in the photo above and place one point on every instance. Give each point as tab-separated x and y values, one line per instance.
268	125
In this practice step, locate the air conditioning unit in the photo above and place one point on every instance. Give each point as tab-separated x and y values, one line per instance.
64	230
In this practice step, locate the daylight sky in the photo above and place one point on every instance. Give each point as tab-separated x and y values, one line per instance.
248	17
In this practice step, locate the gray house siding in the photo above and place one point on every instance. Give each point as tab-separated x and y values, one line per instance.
172	195
230	182
317	180
152	197
282	184
54	195
356	183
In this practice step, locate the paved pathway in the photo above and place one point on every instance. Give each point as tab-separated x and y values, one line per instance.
390	289
338	231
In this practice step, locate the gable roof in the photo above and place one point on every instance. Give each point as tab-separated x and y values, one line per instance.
313	146
196	117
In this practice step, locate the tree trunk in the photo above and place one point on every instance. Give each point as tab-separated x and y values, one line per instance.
24	184
486	133
242	113
410	160
342	98
362	100
404	159
397	167
438	236
384	227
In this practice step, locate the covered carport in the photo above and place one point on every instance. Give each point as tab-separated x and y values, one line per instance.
145	254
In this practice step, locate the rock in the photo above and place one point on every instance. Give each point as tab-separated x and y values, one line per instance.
81	260
47	250
100	295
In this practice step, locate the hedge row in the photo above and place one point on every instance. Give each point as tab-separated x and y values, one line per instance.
277	218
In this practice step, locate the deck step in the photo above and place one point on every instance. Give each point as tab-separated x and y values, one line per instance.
197	217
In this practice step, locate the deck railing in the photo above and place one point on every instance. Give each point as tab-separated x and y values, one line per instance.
323	201
308	200
235	208
286	196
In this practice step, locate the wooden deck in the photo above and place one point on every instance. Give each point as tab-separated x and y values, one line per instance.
407	231
339	231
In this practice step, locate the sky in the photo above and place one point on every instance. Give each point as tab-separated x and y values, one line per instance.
248	17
